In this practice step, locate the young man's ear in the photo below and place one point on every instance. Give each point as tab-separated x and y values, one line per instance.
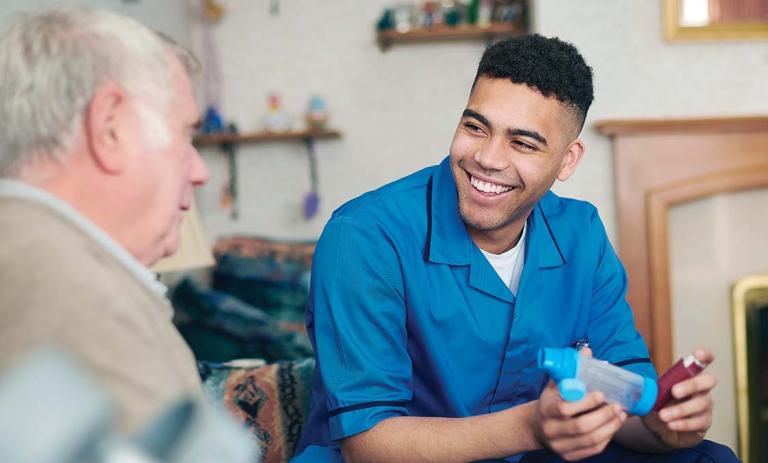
571	159
104	120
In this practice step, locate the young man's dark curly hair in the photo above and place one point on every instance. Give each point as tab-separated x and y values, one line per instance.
551	66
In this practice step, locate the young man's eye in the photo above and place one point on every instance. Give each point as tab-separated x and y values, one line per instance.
523	146
472	127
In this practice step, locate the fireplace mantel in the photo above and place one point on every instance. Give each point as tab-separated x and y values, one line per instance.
659	163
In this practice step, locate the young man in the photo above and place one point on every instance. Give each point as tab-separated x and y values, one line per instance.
432	295
96	169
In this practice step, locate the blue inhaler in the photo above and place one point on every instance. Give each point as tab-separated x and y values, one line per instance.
576	374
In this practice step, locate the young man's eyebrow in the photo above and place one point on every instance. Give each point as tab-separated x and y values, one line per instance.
476	115
510	132
527	133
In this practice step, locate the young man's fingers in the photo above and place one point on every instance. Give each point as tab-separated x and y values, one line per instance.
591	421
590	402
695	405
600	435
592	443
704	354
553	406
561	431
696	423
704	382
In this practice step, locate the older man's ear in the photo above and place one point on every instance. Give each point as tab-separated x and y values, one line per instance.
105	127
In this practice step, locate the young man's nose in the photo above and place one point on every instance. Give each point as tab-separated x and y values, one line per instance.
492	155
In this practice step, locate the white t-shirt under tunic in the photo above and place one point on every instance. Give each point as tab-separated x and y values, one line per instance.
509	265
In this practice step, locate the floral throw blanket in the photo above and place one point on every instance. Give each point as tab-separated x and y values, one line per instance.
270	400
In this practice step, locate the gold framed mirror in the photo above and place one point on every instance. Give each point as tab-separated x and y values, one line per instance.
749	299
692	20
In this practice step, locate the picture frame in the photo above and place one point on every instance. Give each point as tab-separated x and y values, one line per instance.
677	29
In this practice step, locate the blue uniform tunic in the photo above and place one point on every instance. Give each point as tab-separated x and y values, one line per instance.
409	318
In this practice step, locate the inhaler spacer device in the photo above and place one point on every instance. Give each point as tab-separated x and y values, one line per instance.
576	374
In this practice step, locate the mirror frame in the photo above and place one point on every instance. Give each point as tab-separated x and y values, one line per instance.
674	32
739	317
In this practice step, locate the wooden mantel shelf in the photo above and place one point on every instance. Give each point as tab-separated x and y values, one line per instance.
614	127
659	164
257	137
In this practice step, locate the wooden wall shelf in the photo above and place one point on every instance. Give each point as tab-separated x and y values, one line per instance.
259	137
447	33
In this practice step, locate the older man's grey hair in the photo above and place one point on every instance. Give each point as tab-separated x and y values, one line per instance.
53	63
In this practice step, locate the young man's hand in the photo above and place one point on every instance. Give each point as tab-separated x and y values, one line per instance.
576	430
685	421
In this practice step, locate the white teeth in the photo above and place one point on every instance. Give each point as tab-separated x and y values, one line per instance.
487	187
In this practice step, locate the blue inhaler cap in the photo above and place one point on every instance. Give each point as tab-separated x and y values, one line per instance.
647	398
572	389
559	363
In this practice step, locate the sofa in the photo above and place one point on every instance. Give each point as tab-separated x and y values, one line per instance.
246	329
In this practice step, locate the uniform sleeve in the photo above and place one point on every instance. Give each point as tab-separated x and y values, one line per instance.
358	309
612	333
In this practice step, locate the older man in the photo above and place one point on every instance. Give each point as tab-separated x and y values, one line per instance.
96	169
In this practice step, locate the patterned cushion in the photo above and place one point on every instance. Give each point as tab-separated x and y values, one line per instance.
272	275
270	400
219	327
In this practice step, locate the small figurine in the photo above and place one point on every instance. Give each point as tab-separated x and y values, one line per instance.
317	113
484	13
212	122
276	120
213	11
451	13
387	20
404	15
312	199
511	11
430	10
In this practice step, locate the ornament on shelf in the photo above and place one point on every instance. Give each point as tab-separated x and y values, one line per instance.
312	198
229	195
387	20
485	13
317	113
404	15
432	14
212	122
276	119
212	11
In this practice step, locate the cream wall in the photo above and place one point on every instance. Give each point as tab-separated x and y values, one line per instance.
713	243
169	16
398	109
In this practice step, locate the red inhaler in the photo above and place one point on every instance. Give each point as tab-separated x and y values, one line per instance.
687	367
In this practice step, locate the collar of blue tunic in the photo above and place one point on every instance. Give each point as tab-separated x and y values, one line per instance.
17	189
449	240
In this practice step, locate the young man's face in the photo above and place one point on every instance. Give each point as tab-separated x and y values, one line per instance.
510	146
